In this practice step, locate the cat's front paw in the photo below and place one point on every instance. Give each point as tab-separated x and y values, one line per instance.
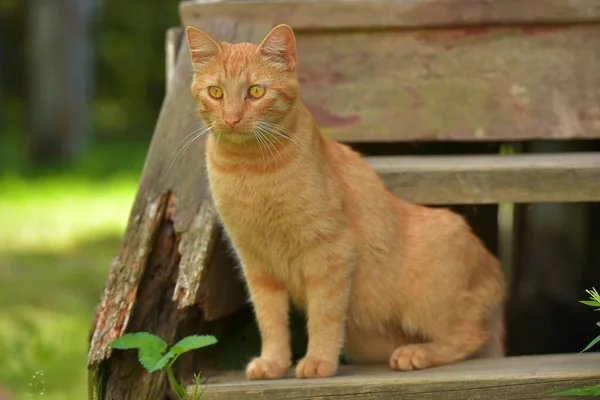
265	368
411	357
312	367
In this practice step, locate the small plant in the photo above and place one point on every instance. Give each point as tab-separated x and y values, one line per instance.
153	355
594	301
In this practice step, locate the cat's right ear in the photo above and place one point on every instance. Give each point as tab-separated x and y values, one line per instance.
202	46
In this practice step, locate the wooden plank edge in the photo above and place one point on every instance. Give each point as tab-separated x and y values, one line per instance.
126	271
307	15
492	179
498	378
173	39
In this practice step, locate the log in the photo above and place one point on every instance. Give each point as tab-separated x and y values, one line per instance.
167	278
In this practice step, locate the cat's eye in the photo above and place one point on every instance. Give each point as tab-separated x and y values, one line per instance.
215	92
256	91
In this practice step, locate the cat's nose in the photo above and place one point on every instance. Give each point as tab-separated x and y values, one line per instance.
232	121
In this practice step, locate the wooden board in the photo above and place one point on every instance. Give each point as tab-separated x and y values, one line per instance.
490	179
350	14
438	70
173	38
534	377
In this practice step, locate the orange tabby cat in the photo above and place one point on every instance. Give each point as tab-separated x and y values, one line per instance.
313	223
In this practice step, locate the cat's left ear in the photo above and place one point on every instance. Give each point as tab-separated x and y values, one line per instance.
280	46
202	46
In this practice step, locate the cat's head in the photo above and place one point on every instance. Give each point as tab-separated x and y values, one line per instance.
242	88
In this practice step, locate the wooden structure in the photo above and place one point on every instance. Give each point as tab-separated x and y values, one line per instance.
384	72
511	378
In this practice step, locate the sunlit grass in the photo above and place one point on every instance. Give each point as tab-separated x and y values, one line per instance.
49	213
58	234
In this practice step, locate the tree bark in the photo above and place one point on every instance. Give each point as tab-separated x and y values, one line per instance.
173	276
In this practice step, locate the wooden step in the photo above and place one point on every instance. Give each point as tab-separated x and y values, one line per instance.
490	179
494	379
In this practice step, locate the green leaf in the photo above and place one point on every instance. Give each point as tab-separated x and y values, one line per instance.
594	295
592	303
151	349
192	343
583	391
592	343
165	359
150	358
139	340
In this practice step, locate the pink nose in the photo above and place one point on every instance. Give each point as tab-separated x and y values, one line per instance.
232	121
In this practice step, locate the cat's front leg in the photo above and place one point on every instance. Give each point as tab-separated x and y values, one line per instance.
327	295
271	307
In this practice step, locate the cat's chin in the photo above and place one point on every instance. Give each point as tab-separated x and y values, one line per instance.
234	137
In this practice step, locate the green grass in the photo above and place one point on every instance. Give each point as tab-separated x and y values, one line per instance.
58	233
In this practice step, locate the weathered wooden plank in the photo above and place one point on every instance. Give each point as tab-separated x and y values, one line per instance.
173	38
489	179
501	378
504	83
344	14
484	82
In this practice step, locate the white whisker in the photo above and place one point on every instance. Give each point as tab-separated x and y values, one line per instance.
283	133
196	134
269	145
265	140
268	135
259	141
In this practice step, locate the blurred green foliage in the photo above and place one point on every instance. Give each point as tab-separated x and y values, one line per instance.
130	66
128	71
60	227
58	234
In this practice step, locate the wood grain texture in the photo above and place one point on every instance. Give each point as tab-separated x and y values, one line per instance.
126	271
173	38
490	179
406	81
533	377
349	14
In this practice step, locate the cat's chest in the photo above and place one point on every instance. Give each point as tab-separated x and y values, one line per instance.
258	204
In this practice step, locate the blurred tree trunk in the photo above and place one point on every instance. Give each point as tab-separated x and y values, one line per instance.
59	68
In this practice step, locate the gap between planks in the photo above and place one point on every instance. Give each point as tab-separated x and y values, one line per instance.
506	378
492	179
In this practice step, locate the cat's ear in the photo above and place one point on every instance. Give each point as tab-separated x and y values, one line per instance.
280	46
202	46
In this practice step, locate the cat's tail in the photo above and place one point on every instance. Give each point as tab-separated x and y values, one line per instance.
495	345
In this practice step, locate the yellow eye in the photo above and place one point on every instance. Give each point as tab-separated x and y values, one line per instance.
256	91
215	92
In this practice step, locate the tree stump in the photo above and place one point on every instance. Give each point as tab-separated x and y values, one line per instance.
172	277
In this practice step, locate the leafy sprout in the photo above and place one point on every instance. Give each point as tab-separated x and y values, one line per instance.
153	355
594	301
